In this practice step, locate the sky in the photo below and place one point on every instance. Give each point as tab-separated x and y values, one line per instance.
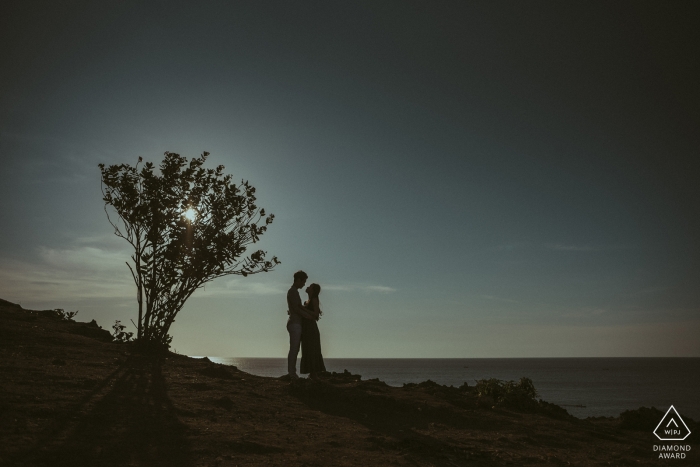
463	179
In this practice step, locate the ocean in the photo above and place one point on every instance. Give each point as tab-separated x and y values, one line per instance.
584	386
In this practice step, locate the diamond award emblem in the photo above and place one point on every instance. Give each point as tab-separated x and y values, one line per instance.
672	427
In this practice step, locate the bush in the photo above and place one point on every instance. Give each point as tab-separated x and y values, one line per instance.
60	313
119	335
643	419
520	395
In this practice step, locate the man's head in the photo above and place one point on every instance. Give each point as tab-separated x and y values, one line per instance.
300	279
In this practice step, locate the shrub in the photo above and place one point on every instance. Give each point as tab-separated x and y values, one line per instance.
119	335
520	395
64	315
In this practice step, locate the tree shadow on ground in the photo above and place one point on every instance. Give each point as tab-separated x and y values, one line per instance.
134	423
394	423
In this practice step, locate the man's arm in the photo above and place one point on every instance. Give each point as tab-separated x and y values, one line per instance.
303	312
295	306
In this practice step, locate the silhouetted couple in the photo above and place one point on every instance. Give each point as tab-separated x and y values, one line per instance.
303	329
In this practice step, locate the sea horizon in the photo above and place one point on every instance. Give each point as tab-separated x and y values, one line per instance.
454	358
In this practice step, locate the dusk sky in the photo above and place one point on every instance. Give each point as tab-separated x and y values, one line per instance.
465	179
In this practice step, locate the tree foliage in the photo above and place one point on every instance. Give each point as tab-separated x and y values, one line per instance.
187	225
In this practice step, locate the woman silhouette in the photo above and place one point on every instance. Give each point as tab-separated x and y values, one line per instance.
311	358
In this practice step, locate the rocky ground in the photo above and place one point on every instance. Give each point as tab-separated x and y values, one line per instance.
69	396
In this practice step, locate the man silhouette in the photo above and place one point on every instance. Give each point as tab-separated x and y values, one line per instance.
296	314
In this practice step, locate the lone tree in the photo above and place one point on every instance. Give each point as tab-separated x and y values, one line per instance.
187	226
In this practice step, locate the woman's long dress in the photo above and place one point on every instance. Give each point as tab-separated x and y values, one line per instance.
311	358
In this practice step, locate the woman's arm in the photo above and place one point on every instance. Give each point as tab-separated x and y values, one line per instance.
304	312
315	311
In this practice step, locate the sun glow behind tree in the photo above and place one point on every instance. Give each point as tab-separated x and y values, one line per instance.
190	214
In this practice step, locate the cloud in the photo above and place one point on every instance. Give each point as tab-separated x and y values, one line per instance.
39	157
500	299
649	291
568	247
249	287
94	268
585	312
560	247
89	272
67	274
241	286
380	288
509	246
359	288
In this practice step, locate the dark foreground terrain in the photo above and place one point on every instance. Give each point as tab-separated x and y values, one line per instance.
71	397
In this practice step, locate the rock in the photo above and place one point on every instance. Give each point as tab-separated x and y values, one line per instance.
91	329
9	304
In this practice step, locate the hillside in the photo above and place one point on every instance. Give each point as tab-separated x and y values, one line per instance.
69	396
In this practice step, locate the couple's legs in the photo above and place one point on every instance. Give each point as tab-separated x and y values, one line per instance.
294	330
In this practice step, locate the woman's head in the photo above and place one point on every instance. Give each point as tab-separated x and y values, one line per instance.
313	290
